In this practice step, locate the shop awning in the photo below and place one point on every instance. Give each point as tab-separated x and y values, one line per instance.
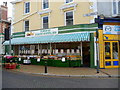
74	37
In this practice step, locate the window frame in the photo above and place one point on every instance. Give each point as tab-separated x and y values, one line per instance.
42	22
43	5
65	17
25	26
27	7
116	7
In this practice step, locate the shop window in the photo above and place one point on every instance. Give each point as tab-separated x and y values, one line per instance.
108	63
45	22
107	50
69	18
26	25
27	7
45	4
115	63
68	1
115	50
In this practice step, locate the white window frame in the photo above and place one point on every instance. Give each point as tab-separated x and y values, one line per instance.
25	8
42	21
65	17
68	2
116	8
24	25
48	5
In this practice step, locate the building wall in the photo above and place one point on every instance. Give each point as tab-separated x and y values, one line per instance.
56	16
105	8
3	25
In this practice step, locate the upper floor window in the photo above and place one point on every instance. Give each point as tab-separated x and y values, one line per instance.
27	7
45	22
45	4
119	7
114	7
68	1
26	25
69	18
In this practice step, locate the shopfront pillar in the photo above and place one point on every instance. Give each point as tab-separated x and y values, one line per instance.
101	49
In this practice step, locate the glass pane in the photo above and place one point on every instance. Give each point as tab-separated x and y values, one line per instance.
108	63
45	22
115	50
69	18
45	4
107	50
115	63
114	7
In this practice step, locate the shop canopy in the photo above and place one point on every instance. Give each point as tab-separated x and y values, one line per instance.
74	37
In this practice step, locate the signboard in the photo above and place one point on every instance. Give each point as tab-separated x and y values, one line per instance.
91	14
111	37
111	29
41	32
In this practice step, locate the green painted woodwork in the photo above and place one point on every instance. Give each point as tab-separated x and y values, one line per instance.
92	50
79	30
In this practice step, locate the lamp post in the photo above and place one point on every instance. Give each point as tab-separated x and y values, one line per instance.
97	52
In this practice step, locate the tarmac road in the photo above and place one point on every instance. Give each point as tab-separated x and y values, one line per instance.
21	80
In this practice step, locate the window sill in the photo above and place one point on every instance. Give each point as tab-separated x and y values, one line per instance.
26	13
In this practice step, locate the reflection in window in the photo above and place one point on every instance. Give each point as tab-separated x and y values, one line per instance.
115	50
107	50
45	22
108	63
26	25
45	4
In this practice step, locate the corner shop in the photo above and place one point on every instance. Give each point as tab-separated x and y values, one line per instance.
71	41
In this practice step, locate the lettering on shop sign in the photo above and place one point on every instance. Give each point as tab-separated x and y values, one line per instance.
111	29
111	37
45	32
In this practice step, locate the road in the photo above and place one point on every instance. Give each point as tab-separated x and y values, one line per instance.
21	80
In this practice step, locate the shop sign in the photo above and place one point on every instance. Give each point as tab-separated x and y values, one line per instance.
91	14
111	29
111	37
41	32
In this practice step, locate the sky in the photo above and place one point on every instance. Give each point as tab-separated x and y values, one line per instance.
9	6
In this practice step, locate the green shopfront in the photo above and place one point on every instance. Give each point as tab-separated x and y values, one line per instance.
69	46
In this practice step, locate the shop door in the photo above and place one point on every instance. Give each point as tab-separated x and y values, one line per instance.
111	55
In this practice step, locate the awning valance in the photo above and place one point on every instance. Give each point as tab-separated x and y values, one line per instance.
74	37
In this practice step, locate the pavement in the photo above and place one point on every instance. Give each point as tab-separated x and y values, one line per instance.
68	71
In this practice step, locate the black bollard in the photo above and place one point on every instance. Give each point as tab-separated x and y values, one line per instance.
45	66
